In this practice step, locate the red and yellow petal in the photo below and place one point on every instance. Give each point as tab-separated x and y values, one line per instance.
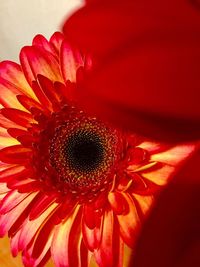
110	250
67	241
35	60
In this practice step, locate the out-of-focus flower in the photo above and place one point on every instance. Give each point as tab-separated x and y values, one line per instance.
147	77
71	186
171	236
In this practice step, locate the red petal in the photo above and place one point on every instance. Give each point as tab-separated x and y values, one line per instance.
91	216
56	41
36	61
154	58
41	96
92	236
41	42
71	60
118	203
15	132
109	252
15	154
18	116
41	205
28	102
49	91
14	172
171	237
26	185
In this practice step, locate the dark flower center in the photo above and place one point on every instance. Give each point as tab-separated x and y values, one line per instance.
85	151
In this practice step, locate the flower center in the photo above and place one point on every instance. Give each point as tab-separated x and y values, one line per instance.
83	151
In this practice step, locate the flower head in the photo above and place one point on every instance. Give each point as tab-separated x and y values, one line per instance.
71	186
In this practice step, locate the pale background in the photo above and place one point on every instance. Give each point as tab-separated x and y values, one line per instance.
20	20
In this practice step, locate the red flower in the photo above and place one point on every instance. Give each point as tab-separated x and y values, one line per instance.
71	186
171	236
148	56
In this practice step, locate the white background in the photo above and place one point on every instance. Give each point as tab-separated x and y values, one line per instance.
21	20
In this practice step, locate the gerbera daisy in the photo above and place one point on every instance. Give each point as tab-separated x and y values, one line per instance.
71	186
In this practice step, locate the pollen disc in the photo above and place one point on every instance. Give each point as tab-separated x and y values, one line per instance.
84	152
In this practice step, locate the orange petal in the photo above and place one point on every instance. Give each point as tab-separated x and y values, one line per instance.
129	222
12	83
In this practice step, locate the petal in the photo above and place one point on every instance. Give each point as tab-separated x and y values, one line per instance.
30	228
41	205
129	222
67	240
49	91
145	203
18	116
7	141
92	222
175	155
170	236
71	60
109	252
101	26
15	154
147	72
41	261
7	220
56	41
28	103
118	203
11	200
41	42
36	61
12	83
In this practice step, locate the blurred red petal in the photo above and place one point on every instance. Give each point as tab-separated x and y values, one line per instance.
171	236
148	81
